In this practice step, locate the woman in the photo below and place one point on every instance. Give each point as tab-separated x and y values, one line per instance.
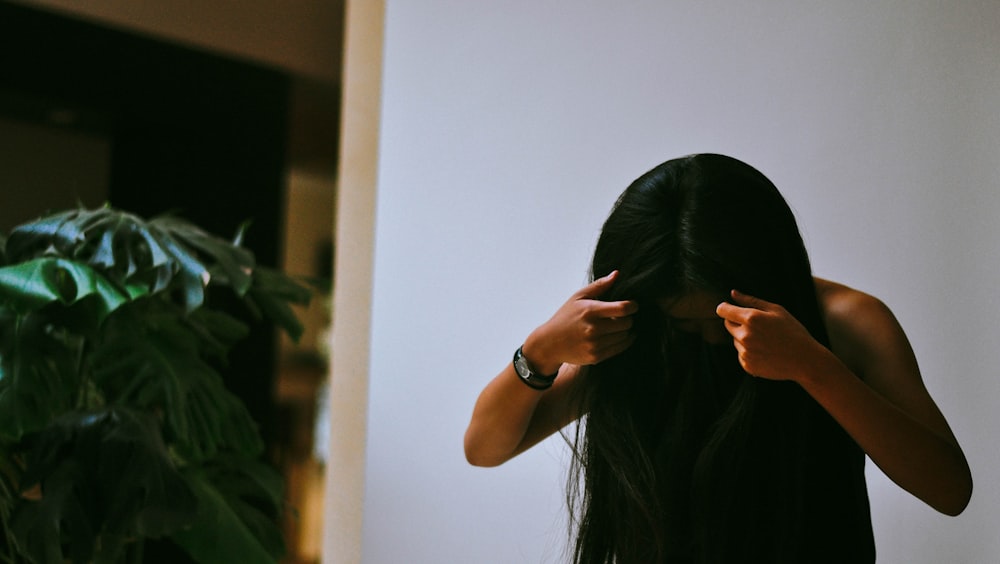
729	397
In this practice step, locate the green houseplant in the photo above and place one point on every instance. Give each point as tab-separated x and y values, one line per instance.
115	424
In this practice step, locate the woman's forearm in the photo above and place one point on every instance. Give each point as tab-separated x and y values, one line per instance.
500	420
511	417
918	459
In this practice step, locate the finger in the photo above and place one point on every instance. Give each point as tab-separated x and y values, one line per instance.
747	300
612	310
734	329
615	348
612	340
598	287
615	325
600	338
731	313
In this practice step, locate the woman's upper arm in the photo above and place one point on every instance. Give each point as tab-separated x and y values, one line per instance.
885	361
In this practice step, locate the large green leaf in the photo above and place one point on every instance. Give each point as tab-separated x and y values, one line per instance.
36	283
236	522
39	373
154	358
126	248
164	254
47	307
10	476
39	526
271	294
233	265
57	233
104	478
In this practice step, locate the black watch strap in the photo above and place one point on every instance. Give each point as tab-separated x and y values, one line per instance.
530	377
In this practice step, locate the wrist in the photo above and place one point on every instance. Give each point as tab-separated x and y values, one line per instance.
538	357
531	377
825	366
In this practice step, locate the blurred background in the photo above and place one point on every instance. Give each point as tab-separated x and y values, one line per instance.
220	113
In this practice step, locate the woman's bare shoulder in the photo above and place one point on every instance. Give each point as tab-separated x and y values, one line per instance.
859	324
843	303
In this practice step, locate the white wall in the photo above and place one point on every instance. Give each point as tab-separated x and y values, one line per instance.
509	127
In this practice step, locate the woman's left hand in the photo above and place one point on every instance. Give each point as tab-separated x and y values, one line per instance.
888	413
771	343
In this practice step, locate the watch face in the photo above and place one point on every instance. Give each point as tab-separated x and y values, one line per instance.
521	366
530	378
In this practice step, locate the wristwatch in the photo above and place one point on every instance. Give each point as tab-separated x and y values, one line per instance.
530	377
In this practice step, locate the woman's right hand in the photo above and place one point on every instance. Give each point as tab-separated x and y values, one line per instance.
510	417
585	330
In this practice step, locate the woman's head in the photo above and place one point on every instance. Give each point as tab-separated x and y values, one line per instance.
679	443
702	224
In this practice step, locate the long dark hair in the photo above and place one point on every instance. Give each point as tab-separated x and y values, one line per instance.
682	456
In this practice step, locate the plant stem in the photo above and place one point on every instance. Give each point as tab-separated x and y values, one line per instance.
84	380
5	519
137	550
11	556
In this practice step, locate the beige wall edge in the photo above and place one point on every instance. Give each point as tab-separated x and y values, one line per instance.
302	37
355	237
